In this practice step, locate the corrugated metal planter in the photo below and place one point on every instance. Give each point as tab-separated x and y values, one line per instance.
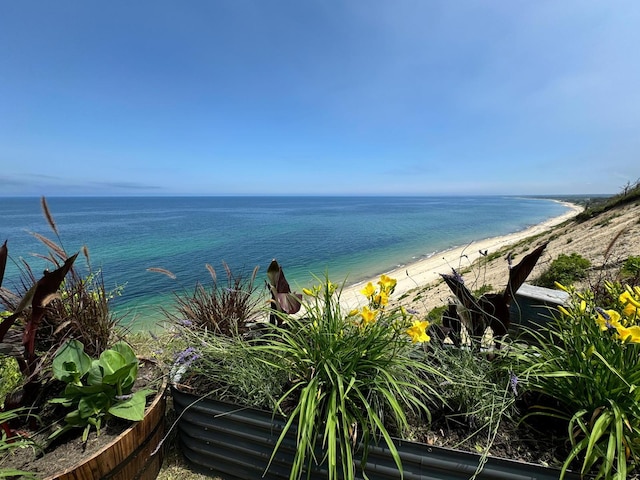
236	443
534	306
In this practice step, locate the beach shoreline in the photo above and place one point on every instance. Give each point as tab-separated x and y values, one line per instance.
428	270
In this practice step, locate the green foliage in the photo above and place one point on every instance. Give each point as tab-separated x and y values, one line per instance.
565	269
14	442
586	360
10	376
45	311
483	393
97	388
631	270
435	314
351	376
482	290
18	441
227	368
629	193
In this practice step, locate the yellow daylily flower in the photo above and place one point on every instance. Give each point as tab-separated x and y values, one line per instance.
607	319
418	331
630	334
631	305
368	316
381	299
308	292
387	284
369	290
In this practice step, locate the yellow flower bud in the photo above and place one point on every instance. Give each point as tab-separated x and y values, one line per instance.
564	311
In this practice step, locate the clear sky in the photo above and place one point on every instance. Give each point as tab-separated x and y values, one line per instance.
217	97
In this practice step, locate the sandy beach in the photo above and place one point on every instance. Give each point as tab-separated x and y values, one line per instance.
428	270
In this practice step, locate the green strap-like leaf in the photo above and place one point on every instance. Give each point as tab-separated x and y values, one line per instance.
600	426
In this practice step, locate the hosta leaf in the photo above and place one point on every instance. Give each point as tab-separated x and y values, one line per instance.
133	408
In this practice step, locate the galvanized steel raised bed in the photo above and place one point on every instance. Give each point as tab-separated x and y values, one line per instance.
236	443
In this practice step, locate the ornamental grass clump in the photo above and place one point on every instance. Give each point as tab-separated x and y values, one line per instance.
586	362
227	306
352	376
212	331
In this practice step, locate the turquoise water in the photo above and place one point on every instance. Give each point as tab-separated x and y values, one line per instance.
351	238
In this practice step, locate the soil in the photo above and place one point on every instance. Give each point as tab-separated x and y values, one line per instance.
69	449
520	443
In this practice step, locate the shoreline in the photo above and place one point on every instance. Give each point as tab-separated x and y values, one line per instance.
427	270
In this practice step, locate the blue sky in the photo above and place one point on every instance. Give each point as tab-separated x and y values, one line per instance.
410	97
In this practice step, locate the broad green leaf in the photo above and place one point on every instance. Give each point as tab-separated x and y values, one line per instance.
78	391
96	373
133	408
124	349
71	363
93	405
65	402
74	419
121	375
111	361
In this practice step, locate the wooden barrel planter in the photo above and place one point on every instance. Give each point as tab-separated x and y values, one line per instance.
128	456
235	442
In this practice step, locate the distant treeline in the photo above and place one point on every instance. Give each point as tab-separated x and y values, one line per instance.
596	205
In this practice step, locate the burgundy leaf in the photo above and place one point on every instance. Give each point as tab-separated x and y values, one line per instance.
4	253
45	287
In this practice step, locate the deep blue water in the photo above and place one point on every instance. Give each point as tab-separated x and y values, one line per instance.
351	238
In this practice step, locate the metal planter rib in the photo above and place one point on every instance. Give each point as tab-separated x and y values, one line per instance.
237	442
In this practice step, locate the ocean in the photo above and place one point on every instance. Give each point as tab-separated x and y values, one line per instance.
348	238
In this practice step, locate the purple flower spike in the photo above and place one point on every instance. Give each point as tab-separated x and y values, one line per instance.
457	276
513	381
602	312
182	363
